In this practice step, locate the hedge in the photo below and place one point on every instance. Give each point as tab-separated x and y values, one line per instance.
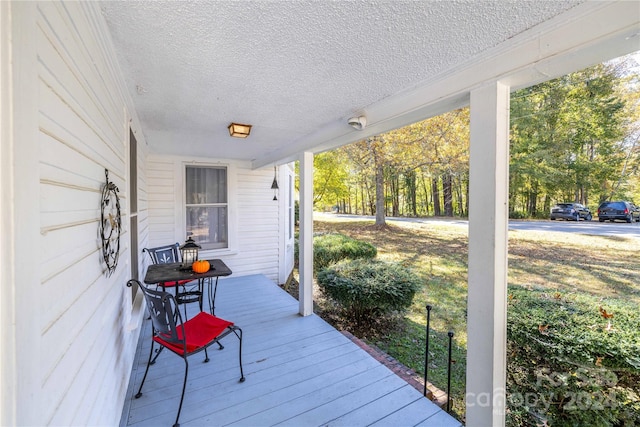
573	359
368	288
330	248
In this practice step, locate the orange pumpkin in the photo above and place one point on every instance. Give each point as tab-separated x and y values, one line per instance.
200	266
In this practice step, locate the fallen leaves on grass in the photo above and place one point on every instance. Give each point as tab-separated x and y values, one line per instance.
604	313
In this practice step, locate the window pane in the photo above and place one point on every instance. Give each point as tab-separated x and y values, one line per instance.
206	185
206	206
208	226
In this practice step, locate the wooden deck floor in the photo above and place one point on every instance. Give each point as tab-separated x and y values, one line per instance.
299	371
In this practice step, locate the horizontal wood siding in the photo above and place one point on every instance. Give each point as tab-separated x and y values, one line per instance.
255	213
86	351
162	201
258	225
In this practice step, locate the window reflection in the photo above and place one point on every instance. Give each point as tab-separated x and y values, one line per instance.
207	208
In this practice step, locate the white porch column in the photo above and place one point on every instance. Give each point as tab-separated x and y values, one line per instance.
488	225
305	294
21	370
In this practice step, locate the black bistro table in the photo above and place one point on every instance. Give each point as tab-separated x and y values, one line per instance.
172	272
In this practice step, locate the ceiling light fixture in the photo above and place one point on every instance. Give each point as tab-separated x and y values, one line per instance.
238	130
358	123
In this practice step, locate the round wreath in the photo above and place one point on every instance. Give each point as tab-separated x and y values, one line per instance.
110	224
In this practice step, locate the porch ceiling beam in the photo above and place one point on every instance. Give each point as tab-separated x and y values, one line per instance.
554	48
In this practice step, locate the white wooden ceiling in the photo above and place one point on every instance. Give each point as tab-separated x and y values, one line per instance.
297	70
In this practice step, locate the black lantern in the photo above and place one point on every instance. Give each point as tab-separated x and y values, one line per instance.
189	253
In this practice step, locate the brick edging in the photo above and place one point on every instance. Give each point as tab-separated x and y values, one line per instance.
434	394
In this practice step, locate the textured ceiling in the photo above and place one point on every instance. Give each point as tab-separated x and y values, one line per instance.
291	68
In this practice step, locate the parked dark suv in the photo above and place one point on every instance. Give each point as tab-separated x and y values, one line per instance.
570	211
624	211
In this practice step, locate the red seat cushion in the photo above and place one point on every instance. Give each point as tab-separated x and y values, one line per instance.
172	284
200	331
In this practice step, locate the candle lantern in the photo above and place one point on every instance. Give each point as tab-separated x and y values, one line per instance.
189	253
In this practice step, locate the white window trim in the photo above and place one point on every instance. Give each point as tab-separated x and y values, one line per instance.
287	195
232	204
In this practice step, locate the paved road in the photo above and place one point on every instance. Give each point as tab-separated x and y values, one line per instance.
583	227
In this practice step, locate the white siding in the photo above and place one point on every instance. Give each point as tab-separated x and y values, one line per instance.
257	236
83	344
258	225
161	176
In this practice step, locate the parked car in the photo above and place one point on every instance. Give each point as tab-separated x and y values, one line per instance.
619	209
570	211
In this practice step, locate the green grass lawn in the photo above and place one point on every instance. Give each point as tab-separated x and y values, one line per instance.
561	263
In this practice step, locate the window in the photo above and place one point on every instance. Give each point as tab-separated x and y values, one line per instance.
207	206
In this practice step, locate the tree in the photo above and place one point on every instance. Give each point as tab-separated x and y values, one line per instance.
628	68
575	138
330	178
388	165
443	146
566	140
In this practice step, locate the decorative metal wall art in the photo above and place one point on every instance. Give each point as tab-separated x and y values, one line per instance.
110	224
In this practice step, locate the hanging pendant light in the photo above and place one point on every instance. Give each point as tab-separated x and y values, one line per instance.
274	184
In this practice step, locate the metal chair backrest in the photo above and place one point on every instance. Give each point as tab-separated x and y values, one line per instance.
164	254
165	317
169	254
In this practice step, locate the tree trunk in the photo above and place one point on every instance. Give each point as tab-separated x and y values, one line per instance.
459	196
371	201
435	191
410	185
533	199
425	187
466	192
448	194
547	203
394	184
380	216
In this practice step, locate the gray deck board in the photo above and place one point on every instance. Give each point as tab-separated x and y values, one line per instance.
299	371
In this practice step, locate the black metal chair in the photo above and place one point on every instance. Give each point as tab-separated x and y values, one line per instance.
169	254
183	338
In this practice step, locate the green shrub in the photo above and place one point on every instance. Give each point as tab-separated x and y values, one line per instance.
333	247
517	215
369	288
570	364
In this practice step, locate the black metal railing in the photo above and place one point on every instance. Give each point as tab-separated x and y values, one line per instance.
426	359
